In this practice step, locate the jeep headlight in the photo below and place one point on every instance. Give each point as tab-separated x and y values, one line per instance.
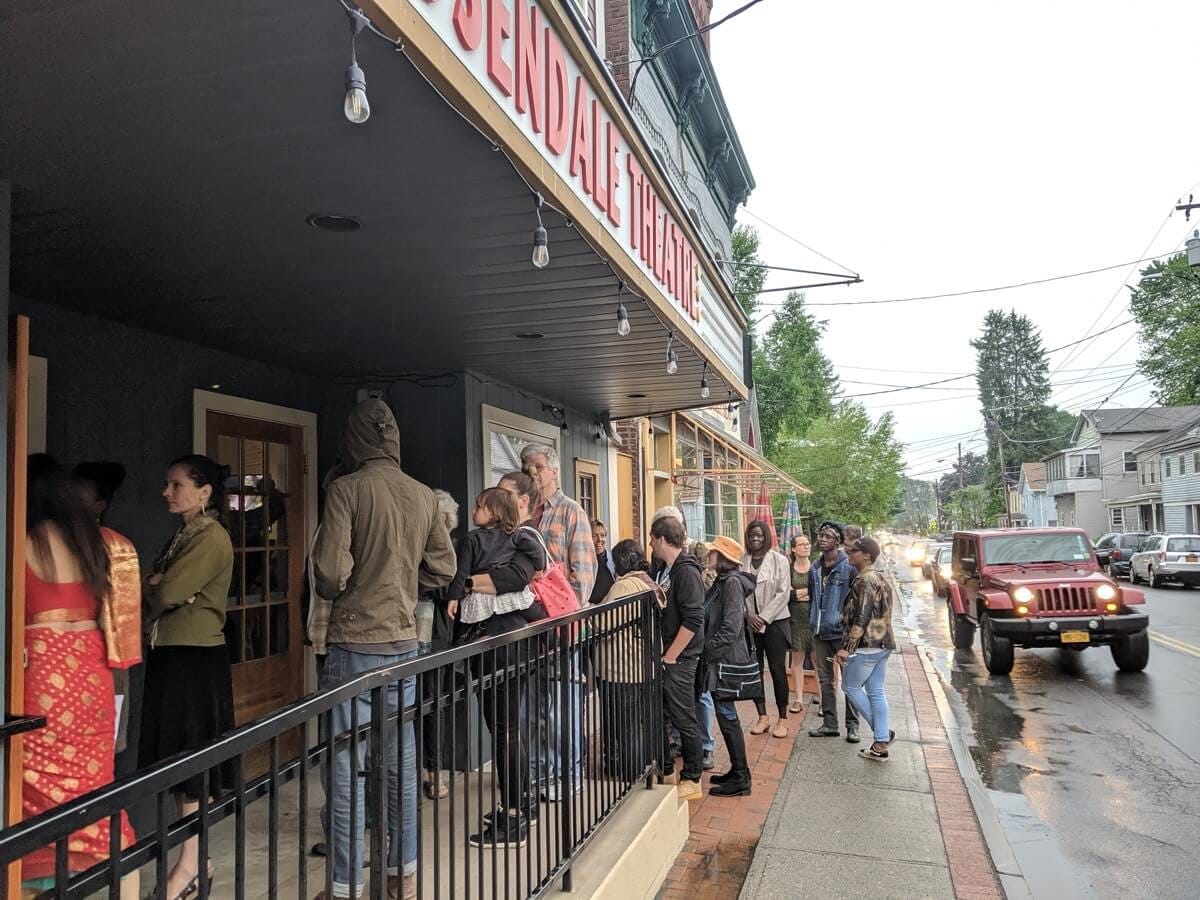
1106	592
1023	595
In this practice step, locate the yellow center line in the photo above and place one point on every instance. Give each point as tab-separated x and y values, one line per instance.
1174	644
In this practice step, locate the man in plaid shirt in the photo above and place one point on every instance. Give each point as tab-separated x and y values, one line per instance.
562	521
568	534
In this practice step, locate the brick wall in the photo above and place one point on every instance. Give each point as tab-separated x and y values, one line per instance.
616	39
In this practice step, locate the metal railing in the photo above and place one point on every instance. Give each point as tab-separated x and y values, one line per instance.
596	669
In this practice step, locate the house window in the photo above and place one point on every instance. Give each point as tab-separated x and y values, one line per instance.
1130	461
587	482
1181	466
1117	517
1195	461
1167	468
1085	465
505	434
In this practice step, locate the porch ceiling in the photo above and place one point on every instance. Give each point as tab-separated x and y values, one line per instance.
163	158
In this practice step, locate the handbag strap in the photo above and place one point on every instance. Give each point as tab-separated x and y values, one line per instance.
550	560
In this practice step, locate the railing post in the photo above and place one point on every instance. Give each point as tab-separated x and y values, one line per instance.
652	720
565	730
377	792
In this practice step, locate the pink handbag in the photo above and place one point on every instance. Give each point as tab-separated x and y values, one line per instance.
551	586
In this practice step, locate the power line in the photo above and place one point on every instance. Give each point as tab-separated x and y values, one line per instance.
796	240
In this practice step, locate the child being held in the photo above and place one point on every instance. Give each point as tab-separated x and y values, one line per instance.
497	541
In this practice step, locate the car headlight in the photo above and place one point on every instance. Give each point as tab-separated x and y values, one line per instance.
1023	595
1106	592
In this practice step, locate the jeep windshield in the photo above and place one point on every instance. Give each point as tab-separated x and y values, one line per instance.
1027	549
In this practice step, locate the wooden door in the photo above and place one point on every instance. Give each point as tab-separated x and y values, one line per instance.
627	518
265	507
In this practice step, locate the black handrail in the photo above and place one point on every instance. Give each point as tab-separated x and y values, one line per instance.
560	642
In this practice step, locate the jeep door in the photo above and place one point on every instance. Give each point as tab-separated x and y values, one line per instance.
966	572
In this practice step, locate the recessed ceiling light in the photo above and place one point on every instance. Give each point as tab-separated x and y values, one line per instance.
528	335
334	222
636	396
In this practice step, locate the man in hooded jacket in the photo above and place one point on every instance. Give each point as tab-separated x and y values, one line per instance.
381	541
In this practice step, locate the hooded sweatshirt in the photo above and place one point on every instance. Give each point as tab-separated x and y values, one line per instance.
382	539
685	604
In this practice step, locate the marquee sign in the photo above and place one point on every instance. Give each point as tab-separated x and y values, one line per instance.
524	65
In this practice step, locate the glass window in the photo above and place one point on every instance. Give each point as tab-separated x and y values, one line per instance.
685	444
1032	548
1130	461
1184	545
1196	461
729	512
1182	469
711	509
1166	468
1118	517
587	495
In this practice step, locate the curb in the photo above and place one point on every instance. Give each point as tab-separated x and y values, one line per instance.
1012	880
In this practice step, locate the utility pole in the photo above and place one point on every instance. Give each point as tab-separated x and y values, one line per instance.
960	475
1003	476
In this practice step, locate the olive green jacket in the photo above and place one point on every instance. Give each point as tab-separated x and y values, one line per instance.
187	606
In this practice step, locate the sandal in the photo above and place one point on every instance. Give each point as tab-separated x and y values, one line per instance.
193	886
796	707
760	727
781	731
436	790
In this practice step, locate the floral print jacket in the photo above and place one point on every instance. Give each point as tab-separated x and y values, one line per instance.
867	615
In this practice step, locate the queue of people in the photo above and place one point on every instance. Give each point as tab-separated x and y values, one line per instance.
729	615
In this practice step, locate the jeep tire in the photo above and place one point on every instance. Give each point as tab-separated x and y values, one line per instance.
997	651
962	632
1133	652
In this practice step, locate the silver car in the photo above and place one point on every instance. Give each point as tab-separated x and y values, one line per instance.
1167	557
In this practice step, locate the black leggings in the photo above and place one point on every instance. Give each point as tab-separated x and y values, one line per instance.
773	643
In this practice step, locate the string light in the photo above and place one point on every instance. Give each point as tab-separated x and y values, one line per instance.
356	107
623	328
704	391
541	240
672	359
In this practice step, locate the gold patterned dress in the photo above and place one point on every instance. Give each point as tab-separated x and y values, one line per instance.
69	680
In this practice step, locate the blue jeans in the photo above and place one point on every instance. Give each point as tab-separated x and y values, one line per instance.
545	757
704	715
346	850
868	670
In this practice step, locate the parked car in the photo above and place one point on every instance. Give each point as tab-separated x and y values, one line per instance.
930	555
940	569
1040	587
1167	557
916	553
1113	551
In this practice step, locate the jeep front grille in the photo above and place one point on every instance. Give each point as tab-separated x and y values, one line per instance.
1065	600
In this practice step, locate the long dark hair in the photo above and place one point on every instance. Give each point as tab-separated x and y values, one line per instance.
527	486
205	471
628	557
725	565
50	502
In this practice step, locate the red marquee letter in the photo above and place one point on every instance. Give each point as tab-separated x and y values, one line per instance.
635	201
599	193
557	95
614	172
668	263
468	22
499	30
529	65
581	141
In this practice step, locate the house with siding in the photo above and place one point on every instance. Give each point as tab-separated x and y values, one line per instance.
1095	481
1173	461
1034	509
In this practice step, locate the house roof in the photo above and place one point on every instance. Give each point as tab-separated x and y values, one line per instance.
1034	474
1129	421
1185	434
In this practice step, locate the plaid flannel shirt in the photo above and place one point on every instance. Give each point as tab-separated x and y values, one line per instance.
568	534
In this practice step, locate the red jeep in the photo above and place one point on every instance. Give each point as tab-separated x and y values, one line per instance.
1040	587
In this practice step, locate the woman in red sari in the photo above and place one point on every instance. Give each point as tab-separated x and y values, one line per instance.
82	603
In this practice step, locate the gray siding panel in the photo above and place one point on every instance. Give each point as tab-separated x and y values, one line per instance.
1175	518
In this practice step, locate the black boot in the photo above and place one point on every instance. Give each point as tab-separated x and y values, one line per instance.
722	778
737	783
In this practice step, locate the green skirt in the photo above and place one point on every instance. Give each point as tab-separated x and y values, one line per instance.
801	631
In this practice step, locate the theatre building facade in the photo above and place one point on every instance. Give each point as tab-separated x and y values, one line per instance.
200	250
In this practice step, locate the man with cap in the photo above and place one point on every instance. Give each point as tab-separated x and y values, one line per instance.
828	583
867	642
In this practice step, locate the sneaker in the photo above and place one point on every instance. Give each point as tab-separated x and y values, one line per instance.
852	736
554	791
708	762
402	888
689	790
507	832
824	731
531	815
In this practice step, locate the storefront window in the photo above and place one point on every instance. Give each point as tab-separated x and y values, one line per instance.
685	445
729	512
711	509
505	435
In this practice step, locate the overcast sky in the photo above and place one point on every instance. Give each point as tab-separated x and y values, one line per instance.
942	146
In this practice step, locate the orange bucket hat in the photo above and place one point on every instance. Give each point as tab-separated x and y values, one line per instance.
728	548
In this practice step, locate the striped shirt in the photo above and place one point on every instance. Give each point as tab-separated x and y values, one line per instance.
568	534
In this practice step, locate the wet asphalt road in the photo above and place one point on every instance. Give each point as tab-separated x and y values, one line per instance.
1095	774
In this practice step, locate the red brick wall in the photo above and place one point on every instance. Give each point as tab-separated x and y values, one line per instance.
616	38
703	12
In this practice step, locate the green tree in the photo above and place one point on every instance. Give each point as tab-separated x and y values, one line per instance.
852	465
969	507
1166	305
748	274
794	380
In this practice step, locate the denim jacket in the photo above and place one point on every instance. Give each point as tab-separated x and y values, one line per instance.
827	597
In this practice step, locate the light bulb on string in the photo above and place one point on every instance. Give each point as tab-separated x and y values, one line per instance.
356	107
623	327
672	359
705	393
541	240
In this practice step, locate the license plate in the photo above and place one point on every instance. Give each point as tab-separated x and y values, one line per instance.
1076	637
1191	558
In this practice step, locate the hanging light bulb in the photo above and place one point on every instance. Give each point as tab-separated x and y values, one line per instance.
541	240
704	391
623	328
672	359
732	406
356	107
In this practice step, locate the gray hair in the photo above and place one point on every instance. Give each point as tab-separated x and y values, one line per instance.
447	507
668	512
540	450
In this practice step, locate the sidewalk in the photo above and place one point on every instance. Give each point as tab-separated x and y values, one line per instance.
839	825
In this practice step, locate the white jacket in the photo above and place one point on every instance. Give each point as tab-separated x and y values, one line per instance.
770	598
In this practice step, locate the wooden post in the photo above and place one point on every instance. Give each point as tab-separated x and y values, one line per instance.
18	448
